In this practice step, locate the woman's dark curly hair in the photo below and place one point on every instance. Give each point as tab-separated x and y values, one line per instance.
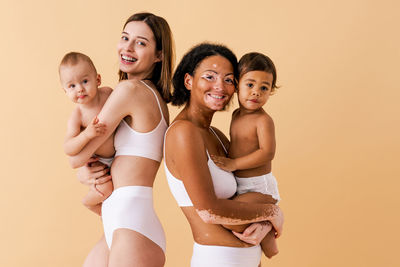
190	62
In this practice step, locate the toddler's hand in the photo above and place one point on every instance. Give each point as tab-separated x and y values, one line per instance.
255	233
95	128
224	163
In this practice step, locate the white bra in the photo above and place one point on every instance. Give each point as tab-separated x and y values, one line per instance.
129	142
224	182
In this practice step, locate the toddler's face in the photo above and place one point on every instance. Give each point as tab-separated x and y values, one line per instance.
80	82
254	89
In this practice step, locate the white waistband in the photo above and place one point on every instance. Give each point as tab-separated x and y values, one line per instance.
218	256
134	190
253	179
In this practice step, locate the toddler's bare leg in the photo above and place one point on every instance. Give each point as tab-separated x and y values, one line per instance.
268	244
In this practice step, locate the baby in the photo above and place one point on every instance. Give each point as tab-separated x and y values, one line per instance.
81	82
252	135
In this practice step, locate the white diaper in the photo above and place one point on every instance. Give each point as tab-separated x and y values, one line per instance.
265	184
220	256
107	161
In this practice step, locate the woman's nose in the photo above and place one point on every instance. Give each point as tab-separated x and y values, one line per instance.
129	46
219	83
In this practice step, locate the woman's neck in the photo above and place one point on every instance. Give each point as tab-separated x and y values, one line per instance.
140	76
200	117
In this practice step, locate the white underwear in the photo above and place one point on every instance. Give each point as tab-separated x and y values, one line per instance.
107	161
219	256
131	207
265	184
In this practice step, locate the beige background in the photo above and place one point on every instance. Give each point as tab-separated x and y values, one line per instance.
336	116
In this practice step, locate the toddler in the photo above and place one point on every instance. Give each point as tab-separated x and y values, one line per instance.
252	135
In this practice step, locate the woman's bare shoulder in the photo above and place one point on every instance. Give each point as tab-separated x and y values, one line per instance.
183	133
182	128
128	86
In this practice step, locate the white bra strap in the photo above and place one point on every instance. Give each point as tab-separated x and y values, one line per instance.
165	137
155	95
212	130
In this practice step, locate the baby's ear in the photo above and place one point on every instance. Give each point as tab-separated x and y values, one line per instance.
188	81
98	79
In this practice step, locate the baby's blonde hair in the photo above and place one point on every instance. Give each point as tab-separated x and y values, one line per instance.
73	58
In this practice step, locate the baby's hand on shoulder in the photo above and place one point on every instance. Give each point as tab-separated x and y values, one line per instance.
224	163
95	128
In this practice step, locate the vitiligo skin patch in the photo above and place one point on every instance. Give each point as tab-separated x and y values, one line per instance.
210	216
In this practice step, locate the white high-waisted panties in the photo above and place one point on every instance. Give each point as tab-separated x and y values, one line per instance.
131	207
219	256
265	184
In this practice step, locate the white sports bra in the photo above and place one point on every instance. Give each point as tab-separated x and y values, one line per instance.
128	142
224	182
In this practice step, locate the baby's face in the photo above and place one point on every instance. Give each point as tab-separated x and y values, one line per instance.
79	81
254	89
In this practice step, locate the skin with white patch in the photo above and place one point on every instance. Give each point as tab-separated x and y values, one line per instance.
187	141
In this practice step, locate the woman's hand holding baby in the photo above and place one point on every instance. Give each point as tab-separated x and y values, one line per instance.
94	173
224	163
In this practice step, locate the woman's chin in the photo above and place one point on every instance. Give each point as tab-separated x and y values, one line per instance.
216	105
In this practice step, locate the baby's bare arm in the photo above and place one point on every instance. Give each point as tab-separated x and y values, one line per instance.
76	139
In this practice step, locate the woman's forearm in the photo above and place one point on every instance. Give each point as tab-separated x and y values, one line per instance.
230	212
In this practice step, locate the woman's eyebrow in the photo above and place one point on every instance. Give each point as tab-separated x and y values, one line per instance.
141	37
211	71
231	73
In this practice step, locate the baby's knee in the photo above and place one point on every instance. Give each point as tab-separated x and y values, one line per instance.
87	202
106	189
